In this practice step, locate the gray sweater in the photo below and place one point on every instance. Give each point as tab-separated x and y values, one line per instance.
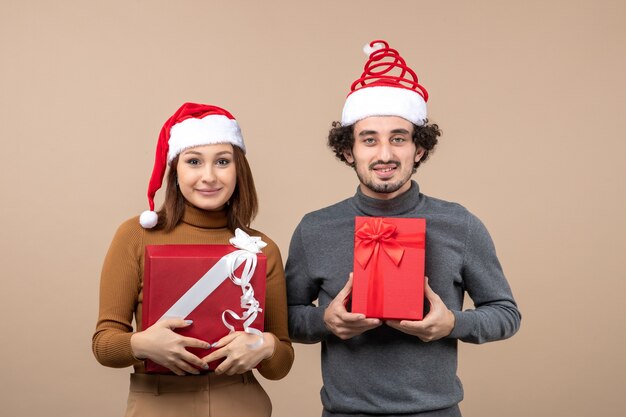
384	371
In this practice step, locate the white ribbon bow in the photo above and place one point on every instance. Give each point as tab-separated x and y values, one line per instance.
244	241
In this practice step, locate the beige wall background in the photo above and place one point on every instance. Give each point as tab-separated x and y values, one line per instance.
530	96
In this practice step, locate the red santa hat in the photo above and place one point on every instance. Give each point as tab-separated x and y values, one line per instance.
192	125
387	87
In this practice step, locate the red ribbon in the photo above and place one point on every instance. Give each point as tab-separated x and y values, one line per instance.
372	236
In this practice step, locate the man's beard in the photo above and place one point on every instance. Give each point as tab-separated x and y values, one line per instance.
384	187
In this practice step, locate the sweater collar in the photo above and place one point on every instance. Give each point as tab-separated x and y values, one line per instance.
402	204
204	219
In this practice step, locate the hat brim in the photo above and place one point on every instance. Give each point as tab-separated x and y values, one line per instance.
384	101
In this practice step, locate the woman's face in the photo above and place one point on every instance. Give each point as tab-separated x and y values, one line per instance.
207	176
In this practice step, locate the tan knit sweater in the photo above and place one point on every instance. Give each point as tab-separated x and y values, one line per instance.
121	288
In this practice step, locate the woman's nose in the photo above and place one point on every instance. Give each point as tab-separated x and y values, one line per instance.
208	175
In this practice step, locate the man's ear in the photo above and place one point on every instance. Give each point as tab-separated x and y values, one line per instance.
348	155
419	154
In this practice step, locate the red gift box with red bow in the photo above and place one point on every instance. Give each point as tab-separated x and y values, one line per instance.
388	275
192	282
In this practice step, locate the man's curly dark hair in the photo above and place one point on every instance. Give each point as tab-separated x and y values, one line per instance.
341	138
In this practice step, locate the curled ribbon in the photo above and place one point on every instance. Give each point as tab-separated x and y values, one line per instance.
248	247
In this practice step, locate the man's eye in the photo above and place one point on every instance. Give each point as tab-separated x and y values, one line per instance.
398	140
369	141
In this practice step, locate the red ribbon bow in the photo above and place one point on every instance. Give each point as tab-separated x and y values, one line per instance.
373	235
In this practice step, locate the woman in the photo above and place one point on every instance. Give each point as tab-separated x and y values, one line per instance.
209	194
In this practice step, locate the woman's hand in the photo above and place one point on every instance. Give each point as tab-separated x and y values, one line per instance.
241	352
161	344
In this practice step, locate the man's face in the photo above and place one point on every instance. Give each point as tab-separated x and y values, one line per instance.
383	155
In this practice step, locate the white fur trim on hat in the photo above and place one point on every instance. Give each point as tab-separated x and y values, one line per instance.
384	101
210	130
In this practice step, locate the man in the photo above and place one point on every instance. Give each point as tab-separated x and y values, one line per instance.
393	367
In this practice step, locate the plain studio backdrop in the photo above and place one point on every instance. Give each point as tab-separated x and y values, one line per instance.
530	97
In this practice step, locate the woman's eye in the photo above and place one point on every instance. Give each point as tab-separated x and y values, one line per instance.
223	162
193	161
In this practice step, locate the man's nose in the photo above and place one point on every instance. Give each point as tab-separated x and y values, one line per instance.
385	152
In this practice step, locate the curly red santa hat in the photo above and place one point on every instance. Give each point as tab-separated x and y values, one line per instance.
387	87
192	125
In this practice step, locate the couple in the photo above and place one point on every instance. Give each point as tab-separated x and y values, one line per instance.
369	366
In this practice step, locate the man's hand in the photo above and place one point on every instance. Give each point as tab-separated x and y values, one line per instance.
437	324
343	324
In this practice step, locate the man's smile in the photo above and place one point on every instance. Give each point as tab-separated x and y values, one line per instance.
385	170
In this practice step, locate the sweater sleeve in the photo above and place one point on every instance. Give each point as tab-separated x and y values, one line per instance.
279	364
119	292
306	320
495	316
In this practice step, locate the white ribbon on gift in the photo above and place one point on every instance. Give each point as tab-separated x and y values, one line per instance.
248	247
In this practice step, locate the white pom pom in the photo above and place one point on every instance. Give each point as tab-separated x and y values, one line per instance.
148	219
370	49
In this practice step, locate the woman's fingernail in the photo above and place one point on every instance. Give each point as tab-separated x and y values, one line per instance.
189	321
214	344
205	366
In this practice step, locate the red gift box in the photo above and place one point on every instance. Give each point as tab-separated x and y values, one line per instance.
388	275
200	275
